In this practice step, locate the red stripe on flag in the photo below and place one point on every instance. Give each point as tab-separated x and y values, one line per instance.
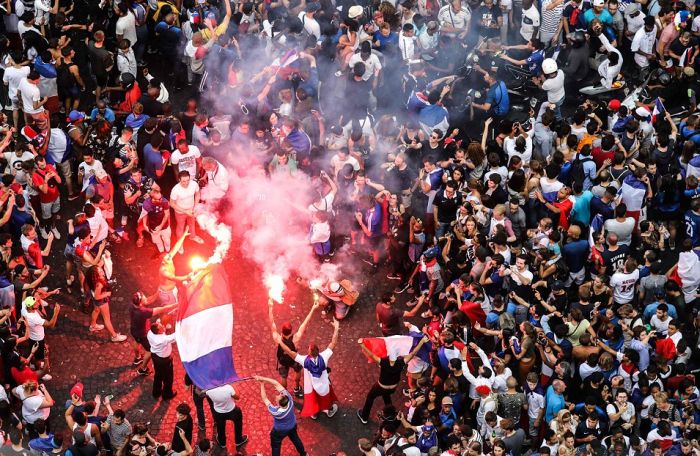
376	345
209	289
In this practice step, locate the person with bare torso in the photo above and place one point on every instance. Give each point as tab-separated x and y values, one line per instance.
167	287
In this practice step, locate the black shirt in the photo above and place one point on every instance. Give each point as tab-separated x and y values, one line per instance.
614	260
140	321
447	207
388	374
487	16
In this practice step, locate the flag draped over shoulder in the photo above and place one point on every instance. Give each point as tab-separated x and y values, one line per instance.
397	346
204	330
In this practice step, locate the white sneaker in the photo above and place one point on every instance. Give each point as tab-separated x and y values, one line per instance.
197	239
332	411
55	232
46	377
118	338
97	328
43	232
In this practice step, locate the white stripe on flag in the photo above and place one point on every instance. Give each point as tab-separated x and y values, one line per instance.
204	332
398	345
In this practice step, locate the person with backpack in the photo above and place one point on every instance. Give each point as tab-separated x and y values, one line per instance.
583	169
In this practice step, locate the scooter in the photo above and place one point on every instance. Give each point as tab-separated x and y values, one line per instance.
597	89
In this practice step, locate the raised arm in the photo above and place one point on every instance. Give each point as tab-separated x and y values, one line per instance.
367	352
179	242
334	339
300	332
407	359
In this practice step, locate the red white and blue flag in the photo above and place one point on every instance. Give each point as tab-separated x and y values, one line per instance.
632	193
204	330
659	108
397	346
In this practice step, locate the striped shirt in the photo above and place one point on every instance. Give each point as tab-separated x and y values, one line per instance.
285	420
118	433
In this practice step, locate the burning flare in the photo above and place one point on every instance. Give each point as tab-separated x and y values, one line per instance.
275	287
197	263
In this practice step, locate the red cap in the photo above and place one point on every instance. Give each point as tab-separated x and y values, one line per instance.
614	105
77	390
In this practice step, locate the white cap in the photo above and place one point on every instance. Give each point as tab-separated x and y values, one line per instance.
598	2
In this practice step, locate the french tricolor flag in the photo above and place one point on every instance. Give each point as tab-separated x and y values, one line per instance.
204	330
397	346
632	193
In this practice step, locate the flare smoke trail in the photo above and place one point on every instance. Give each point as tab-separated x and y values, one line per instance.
269	214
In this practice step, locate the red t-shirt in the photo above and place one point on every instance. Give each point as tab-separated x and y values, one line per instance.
24	375
38	179
599	156
564	211
33	255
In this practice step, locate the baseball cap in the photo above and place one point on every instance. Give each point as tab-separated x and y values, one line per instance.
446	400
77	390
557	285
631	9
598	2
29	302
614	105
74	116
313	6
101	173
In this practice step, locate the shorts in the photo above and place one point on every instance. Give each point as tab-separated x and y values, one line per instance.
142	341
284	370
40	354
49	209
14	102
101	302
167	297
69	252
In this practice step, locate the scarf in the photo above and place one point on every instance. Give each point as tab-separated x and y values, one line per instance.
688	269
315	368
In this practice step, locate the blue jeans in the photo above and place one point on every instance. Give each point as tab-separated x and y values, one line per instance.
441	229
276	438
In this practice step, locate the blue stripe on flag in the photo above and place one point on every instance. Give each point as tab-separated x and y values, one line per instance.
213	369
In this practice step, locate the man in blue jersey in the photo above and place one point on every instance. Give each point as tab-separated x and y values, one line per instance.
692	223
534	61
285	422
497	102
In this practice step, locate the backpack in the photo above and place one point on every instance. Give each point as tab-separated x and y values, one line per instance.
577	172
506	321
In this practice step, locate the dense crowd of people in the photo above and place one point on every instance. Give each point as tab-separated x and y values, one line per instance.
544	240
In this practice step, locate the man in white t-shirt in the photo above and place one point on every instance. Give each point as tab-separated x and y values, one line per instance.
308	21
530	21
32	102
13	76
35	326
342	158
216	181
372	64
88	168
187	158
183	199
223	400
126	24
624	282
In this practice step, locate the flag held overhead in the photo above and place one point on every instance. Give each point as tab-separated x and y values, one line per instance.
204	330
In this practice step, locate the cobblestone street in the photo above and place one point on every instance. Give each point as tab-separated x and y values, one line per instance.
105	367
